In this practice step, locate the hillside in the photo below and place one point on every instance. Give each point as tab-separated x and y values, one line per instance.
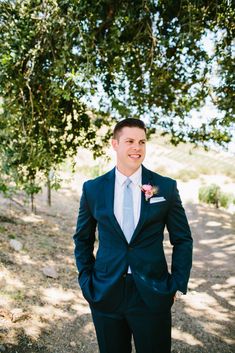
196	160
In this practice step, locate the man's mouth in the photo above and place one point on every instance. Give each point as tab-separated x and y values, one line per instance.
135	156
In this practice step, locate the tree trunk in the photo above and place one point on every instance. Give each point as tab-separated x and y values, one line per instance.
32	203
48	191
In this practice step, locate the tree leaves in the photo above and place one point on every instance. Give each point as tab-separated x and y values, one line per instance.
68	68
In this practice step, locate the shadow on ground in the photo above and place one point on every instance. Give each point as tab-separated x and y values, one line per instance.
59	317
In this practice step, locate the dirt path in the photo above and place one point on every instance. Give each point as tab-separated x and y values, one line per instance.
54	318
204	319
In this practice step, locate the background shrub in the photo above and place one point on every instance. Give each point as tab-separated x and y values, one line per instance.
185	174
225	199
212	194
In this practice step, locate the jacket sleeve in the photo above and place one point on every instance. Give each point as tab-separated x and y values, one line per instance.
84	238
180	238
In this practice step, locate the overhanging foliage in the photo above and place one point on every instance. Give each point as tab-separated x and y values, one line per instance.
133	58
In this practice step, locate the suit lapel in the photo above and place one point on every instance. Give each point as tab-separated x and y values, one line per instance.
109	200
146	179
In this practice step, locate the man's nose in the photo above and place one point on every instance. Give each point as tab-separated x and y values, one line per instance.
136	146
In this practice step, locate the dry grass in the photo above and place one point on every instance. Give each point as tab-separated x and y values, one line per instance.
53	316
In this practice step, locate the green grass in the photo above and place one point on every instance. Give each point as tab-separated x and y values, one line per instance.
11	236
2	229
18	295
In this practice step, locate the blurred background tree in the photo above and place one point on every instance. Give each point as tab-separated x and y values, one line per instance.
70	67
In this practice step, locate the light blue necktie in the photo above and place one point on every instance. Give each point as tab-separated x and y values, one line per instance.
128	225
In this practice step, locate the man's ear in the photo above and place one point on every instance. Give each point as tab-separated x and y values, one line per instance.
114	143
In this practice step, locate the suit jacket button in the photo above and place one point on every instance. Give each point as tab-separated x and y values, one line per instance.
130	248
124	276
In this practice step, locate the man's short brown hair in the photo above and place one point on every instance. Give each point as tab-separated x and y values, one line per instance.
129	122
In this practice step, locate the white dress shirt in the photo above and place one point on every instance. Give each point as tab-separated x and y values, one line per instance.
118	194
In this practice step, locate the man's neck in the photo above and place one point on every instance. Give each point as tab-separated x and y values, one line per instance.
126	172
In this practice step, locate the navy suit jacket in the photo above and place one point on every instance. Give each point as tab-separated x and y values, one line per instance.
101	275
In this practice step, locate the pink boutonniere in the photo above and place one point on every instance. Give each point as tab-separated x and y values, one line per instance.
149	191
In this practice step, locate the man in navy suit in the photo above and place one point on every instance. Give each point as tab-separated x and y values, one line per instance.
127	282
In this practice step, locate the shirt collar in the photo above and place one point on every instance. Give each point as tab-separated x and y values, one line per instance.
135	177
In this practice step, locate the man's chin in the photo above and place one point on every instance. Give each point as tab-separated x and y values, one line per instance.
135	164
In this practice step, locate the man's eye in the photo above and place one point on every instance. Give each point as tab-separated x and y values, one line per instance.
142	142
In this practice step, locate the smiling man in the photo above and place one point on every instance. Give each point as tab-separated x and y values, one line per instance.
127	284
129	144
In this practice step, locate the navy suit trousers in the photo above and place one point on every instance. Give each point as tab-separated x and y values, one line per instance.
151	331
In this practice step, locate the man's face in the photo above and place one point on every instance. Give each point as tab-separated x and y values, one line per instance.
130	149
